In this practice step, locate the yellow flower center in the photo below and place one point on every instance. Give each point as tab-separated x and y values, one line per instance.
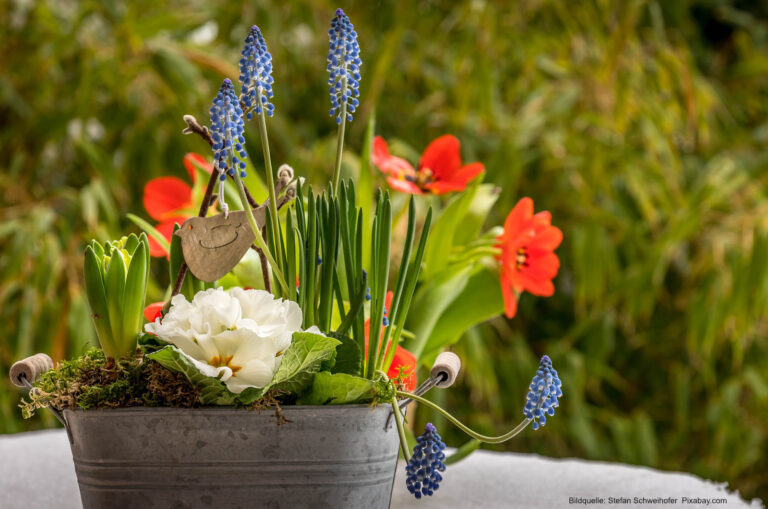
221	362
522	258
422	177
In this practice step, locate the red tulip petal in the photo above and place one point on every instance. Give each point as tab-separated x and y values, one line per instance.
543	264
543	218
153	311
516	219
404	186
380	151
191	159
444	186
442	157
166	229
468	173
540	287
387	163
547	239
510	298
165	196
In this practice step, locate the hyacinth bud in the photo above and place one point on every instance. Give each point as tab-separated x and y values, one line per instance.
343	66
256	75
544	391
423	469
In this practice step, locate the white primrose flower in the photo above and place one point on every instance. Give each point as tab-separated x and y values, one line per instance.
236	335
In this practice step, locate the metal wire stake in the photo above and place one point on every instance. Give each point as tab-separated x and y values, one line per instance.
420	391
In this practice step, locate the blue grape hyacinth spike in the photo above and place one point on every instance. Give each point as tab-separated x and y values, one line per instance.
543	394
423	469
256	75
344	64
227	131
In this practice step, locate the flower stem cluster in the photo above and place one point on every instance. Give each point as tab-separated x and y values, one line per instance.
545	389
256	75
423	470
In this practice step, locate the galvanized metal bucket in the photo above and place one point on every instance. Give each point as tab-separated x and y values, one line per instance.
325	456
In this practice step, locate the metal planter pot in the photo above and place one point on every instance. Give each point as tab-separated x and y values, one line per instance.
329	456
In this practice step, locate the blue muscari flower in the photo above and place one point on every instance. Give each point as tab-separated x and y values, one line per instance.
344	66
227	132
256	75
423	470
542	397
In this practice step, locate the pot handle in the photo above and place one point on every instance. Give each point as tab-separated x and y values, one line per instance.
26	371
445	369
443	373
29	369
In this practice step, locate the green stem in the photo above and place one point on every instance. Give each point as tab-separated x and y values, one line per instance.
339	146
474	253
270	181
477	436
400	430
257	233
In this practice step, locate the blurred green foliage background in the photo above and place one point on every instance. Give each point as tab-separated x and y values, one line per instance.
641	125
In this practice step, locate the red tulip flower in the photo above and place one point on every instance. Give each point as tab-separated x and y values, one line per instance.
440	170
153	311
170	200
528	261
402	359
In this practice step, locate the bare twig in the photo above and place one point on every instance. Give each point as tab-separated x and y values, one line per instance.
264	268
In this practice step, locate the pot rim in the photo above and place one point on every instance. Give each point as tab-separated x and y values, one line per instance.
226	409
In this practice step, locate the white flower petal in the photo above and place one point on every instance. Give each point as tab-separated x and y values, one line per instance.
254	374
222	373
248	330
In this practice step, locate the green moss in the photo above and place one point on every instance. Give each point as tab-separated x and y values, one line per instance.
91	381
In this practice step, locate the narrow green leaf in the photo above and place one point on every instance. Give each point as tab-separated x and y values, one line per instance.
131	242
98	250
396	307
410	287
135	292
151	231
355	307
290	251
115	289
97	300
311	260
365	185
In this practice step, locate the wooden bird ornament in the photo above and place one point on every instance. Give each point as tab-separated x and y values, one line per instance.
212	246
